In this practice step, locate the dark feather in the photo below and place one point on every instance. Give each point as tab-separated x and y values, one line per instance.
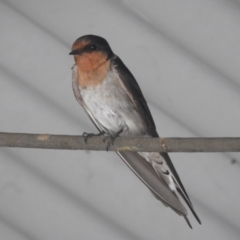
135	94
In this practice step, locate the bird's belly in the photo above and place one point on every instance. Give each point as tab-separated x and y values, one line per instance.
109	118
112	109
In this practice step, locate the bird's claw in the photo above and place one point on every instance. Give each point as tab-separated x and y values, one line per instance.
111	138
89	135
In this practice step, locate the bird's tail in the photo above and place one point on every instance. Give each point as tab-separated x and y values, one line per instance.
159	185
150	178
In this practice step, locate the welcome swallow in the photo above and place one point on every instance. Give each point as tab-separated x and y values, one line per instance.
113	100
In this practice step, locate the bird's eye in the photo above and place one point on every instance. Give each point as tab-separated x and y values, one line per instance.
91	47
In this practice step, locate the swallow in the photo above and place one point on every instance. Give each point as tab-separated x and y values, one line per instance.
113	100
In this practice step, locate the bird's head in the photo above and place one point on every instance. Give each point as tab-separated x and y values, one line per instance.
90	51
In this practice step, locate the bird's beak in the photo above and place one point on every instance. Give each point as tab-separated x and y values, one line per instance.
75	52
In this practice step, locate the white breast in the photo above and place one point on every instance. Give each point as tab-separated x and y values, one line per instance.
110	105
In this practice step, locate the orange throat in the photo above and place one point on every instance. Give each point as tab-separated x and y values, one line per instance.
92	68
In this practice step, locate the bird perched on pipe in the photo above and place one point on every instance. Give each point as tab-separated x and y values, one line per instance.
113	100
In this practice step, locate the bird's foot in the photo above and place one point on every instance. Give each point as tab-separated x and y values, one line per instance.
89	135
111	138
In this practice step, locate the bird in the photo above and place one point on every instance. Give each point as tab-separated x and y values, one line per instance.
113	100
